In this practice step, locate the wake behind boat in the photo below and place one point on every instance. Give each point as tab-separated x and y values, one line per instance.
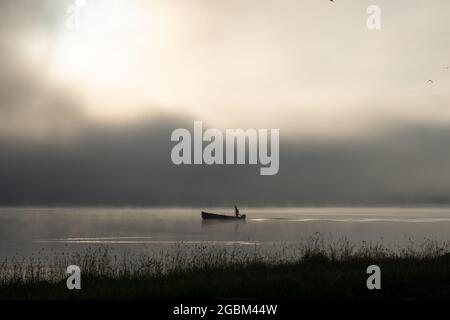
215	216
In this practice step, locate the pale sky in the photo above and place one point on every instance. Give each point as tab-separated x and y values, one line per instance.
308	67
86	115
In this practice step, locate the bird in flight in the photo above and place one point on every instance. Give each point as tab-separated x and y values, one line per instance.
430	81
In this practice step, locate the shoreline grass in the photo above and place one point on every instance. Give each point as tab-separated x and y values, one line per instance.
314	270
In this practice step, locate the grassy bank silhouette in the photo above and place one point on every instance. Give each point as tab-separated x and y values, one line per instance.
313	269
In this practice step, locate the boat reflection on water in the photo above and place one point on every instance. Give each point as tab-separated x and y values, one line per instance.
209	220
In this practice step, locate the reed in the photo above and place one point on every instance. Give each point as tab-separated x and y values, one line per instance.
312	268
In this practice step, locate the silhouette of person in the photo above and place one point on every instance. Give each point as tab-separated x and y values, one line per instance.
236	211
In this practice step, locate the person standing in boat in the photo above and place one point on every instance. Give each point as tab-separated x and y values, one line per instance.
236	211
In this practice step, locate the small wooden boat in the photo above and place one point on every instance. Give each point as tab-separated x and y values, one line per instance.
215	216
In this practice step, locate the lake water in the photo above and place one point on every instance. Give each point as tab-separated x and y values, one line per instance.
24	231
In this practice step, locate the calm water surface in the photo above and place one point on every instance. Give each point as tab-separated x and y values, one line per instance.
27	230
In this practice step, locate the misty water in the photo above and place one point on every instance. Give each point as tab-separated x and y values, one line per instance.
25	231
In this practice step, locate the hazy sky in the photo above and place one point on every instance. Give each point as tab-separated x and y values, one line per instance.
86	114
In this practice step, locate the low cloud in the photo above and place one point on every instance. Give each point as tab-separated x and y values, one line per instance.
131	165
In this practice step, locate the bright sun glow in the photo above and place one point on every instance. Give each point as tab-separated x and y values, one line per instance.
103	54
102	48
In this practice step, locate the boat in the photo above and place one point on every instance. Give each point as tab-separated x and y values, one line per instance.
215	216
